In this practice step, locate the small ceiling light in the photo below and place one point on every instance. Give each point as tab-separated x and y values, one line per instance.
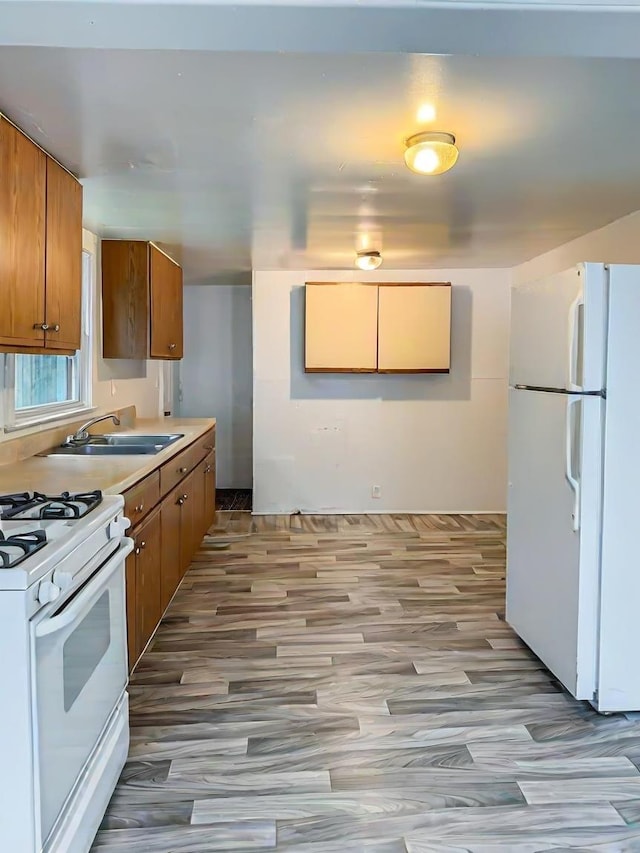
431	152
368	260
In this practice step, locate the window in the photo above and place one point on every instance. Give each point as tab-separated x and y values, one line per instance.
43	387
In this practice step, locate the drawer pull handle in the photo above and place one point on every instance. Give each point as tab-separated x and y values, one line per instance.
139	508
172	346
182	470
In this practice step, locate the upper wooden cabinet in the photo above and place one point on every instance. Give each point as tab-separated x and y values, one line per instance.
40	248
141	301
383	328
414	323
340	328
63	270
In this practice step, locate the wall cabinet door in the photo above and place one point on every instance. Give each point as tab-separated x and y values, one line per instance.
148	582
22	239
63	279
414	327
340	328
166	306
171	554
132	616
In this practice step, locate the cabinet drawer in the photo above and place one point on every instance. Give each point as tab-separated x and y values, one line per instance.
175	470
140	499
205	445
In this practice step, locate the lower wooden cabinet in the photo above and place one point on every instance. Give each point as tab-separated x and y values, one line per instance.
166	533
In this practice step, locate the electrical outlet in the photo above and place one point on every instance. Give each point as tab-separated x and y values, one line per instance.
376	492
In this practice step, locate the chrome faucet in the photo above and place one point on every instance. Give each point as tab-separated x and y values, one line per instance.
81	436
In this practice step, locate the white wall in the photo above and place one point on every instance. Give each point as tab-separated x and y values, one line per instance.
616	243
432	443
216	374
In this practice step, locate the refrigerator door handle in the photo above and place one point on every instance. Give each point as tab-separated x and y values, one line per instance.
571	476
574	338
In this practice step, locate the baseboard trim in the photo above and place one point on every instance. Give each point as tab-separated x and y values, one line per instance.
382	512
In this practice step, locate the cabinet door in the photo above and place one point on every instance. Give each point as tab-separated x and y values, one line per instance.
63	279
22	239
148	587
170	559
132	632
210	492
187	521
341	323
414	328
166	306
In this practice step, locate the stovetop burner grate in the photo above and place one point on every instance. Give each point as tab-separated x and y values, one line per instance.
40	506
17	547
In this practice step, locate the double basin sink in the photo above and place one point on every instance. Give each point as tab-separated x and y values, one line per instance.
117	444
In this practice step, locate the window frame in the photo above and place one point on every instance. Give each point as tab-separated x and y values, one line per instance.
16	419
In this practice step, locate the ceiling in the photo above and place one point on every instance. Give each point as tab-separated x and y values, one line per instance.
275	160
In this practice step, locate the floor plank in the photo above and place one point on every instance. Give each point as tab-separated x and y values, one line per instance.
348	683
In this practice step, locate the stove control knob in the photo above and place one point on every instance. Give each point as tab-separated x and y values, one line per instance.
118	527
64	580
48	592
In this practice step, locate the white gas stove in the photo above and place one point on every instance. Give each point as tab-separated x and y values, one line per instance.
64	720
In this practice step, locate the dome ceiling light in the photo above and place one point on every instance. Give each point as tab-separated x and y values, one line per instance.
368	260
431	152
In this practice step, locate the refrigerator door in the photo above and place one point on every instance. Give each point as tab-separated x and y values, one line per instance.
555	475
558	330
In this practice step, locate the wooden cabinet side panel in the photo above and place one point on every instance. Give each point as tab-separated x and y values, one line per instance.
414	328
125	299
148	580
341	327
171	515
63	279
210	492
22	238
166	307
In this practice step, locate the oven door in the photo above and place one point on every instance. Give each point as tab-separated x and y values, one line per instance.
80	672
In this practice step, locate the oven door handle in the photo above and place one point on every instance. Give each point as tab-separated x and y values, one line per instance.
91	591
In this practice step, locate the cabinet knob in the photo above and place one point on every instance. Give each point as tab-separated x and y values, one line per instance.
180	501
182	470
207	470
136	550
55	328
43	326
138	508
184	497
208	447
143	544
172	346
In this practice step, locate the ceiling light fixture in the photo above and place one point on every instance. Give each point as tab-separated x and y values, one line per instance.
368	260
431	152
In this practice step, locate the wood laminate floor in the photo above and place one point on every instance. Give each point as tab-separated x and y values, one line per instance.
331	684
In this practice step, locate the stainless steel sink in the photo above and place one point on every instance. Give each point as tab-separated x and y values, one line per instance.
105	450
117	444
119	439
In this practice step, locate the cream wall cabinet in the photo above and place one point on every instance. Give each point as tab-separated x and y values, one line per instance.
414	328
383	328
341	323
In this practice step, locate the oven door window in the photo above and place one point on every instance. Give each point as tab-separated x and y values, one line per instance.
80	664
85	648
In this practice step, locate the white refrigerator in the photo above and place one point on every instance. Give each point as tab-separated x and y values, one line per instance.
573	554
